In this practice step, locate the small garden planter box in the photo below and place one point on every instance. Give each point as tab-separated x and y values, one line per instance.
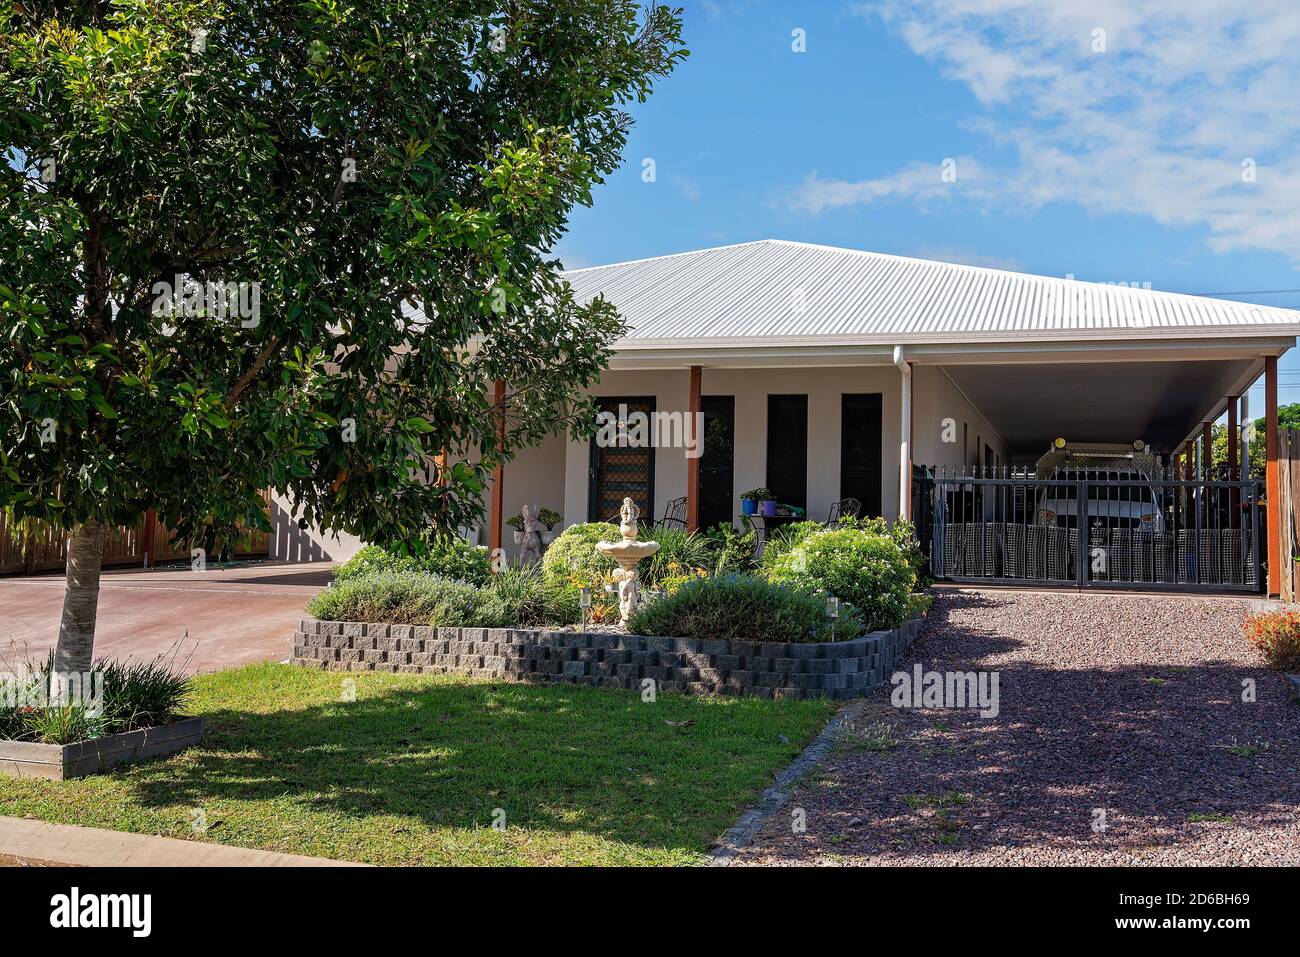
58	762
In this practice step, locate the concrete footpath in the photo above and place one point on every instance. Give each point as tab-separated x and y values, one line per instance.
36	843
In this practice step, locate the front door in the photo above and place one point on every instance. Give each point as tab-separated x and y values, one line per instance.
787	448
626	468
860	450
717	463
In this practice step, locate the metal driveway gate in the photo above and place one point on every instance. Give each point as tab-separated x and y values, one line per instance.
1158	531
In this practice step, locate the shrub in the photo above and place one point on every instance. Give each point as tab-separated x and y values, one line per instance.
142	694
515	597
918	604
573	554
447	555
742	608
732	550
785	538
1277	636
903	534
411	598
867	571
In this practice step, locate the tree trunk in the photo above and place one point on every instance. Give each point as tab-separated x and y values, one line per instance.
76	646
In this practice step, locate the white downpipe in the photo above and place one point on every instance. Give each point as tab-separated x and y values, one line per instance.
1244	416
904	447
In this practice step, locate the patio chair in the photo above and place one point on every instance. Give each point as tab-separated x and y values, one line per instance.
675	513
844	508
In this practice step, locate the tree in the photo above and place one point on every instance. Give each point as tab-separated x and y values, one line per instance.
250	244
1288	418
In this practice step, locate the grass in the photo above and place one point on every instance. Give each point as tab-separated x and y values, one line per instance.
878	737
1243	750
412	771
1197	817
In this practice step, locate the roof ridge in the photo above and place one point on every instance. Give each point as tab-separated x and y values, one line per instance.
684	252
960	267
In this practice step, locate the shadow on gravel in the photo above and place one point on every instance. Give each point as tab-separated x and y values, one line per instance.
1149	755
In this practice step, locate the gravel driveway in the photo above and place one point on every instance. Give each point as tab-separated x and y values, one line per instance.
1122	738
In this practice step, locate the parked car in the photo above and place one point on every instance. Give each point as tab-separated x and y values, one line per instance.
1135	506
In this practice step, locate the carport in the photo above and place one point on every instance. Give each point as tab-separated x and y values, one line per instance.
1158	396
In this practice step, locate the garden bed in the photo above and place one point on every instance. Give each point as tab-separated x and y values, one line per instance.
59	762
838	669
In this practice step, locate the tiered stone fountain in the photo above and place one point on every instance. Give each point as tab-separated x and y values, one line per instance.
627	553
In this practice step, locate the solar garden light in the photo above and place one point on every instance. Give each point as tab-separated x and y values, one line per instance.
832	606
584	602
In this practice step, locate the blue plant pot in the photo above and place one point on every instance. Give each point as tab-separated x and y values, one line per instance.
747	506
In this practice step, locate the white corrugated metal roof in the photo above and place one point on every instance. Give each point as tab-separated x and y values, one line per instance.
787	291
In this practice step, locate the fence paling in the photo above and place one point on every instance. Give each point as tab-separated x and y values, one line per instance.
1014	525
45	549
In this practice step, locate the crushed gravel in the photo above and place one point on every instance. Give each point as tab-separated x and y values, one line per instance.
1122	738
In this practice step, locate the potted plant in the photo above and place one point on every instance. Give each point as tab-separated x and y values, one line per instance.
750	501
549	518
517	523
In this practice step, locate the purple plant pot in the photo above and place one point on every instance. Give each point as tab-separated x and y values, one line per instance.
769	508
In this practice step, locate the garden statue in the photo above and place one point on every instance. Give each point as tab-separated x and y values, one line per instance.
629	513
627	553
531	538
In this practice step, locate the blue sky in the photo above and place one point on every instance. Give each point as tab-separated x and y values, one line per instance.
1114	155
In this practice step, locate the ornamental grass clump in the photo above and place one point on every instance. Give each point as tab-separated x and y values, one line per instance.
116	697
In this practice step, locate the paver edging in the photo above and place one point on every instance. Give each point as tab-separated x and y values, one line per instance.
776	797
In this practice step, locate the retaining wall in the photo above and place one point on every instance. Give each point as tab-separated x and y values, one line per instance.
841	669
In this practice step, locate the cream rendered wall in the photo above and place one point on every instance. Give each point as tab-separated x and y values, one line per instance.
555	473
824	387
535	477
289	543
934	398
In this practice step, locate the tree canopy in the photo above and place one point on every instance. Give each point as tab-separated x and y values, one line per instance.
249	243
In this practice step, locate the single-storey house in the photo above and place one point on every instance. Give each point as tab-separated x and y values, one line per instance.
826	374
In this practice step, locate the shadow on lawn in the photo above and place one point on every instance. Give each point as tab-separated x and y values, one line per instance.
555	758
1164	749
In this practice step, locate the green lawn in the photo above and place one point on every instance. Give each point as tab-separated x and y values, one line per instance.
412	770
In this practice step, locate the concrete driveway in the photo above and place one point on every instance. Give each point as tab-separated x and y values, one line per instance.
220	618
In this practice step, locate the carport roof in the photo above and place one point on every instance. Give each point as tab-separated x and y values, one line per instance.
778	292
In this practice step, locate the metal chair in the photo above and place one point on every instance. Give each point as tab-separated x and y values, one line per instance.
675	513
844	508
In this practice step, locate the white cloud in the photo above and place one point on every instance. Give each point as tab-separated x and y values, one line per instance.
1157	125
919	181
687	187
